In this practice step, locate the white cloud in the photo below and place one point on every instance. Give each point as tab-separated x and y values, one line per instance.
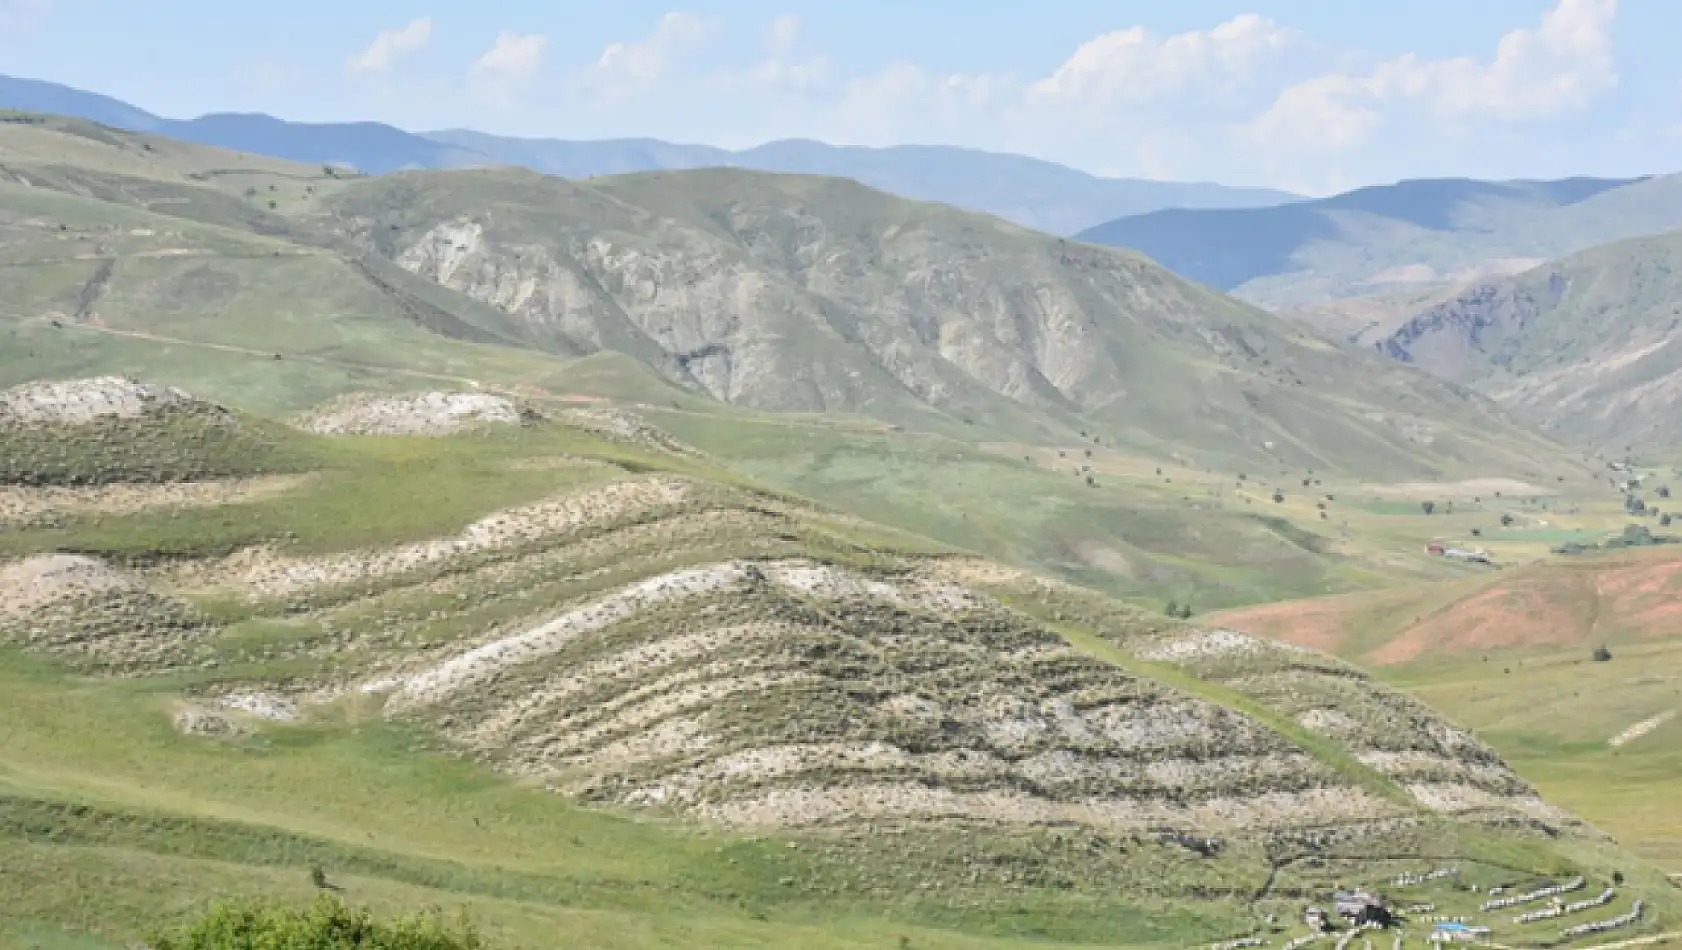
1132	66
512	60
1324	114
1560	66
781	69
626	70
1248	100
389	45
21	16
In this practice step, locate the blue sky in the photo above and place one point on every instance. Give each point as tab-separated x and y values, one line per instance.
1315	95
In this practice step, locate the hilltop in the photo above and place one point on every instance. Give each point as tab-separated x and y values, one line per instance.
1032	192
1410	236
782	293
572	677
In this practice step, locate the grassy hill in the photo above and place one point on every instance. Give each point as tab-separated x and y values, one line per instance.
584	680
662	619
1414	235
770	292
1041	386
1029	191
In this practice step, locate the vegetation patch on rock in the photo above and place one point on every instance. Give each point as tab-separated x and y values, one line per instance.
112	430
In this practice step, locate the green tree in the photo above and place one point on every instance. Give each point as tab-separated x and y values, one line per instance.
328	924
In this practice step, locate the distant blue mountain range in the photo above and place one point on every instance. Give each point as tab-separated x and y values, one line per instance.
1039	194
1342	242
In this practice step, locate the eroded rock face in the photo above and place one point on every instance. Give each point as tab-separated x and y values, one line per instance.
794	294
43	579
97	618
79	401
433	413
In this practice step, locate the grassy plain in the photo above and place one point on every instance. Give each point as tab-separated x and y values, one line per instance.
1602	739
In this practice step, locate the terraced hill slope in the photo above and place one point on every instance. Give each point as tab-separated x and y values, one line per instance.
573	677
774	292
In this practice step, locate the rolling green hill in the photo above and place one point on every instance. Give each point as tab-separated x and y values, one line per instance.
1414	235
619	574
770	292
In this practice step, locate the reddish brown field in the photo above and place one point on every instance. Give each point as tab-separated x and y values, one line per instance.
1625	597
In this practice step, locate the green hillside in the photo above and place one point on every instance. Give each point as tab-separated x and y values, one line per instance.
1512	655
770	292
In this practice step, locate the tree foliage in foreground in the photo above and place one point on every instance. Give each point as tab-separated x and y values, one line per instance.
328	924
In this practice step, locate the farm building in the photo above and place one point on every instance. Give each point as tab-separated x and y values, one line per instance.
1361	907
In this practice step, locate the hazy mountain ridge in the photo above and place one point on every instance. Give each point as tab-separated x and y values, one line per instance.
1382	239
1033	192
1582	346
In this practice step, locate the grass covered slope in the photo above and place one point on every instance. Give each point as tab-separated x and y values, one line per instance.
580	677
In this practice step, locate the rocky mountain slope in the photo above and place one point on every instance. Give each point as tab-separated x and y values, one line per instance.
1414	235
1580	346
781	292
1032	192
